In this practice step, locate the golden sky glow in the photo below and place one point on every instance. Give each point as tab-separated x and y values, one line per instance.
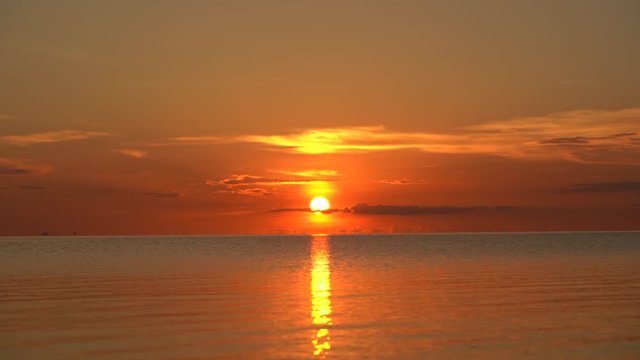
153	117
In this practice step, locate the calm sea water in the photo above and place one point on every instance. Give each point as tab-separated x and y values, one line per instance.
483	296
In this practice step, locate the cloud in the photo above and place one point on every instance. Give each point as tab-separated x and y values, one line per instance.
254	185
259	180
195	140
354	139
402	181
163	194
407	210
138	154
328	211
13	170
423	210
19	167
580	140
330	140
602	187
291	209
310	173
50	137
250	191
566	141
585	136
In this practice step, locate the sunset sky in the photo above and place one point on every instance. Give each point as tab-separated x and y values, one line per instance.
229	116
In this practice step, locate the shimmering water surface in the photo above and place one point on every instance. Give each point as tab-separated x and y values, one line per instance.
454	296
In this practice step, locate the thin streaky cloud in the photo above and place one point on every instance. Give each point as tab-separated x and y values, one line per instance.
328	211
310	173
12	170
353	140
290	209
602	187
584	136
20	167
253	185
50	137
196	140
424	210
402	181
259	180
408	210
250	191
131	152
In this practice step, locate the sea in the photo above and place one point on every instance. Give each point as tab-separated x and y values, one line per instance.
401	296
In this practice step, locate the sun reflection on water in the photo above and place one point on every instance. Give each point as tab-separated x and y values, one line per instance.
320	294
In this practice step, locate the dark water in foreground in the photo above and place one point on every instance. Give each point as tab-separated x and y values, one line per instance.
489	296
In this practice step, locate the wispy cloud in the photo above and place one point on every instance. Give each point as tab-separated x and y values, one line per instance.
310	173
408	210
50	137
402	181
586	136
20	167
259	180
423	210
250	191
328	211
334	140
13	170
131	152
195	140
602	187
257	185
581	140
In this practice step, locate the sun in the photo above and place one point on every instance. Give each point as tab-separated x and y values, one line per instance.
319	204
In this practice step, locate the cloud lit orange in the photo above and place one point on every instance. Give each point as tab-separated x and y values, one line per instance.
50	137
594	136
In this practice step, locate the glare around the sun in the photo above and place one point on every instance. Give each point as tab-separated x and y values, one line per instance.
319	204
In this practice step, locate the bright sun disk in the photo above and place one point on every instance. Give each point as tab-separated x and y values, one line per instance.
319	204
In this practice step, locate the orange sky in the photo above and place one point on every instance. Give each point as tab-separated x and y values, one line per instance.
206	117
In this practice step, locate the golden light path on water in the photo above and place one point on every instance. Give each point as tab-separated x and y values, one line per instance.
320	294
